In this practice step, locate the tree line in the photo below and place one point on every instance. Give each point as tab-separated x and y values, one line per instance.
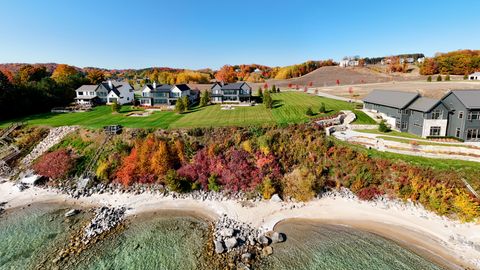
462	62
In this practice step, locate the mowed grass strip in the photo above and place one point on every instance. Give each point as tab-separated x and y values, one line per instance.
289	108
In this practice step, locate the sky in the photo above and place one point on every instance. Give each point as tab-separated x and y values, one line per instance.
209	34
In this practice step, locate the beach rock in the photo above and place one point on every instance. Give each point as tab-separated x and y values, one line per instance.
227	232
20	187
263	240
72	212
219	247
247	257
267	251
278	237
276	198
230	243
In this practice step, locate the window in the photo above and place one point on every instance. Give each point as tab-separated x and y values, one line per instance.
404	125
92	93
473	115
457	133
406	112
397	124
460	115
416	124
472	134
435	131
144	101
399	111
437	114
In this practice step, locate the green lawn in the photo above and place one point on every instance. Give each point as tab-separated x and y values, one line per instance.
289	107
390	133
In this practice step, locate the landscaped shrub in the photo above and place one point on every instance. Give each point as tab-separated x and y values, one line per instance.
322	108
465	77
116	107
55	165
429	78
309	112
382	127
439	78
447	78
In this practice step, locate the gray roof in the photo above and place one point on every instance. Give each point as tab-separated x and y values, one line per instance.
163	87
87	88
469	98
423	104
475	74
233	86
395	99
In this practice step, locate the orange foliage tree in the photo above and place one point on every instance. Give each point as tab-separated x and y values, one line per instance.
226	74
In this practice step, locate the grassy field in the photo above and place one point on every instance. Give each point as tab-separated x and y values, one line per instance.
289	107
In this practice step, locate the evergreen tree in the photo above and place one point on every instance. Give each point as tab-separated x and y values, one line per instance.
116	107
309	111
322	108
383	127
267	100
429	79
447	78
179	107
274	89
465	77
439	78
204	98
186	103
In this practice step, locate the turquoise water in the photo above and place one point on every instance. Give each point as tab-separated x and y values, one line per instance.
320	246
164	240
26	235
160	241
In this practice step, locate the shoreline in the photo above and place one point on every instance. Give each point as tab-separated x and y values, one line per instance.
426	233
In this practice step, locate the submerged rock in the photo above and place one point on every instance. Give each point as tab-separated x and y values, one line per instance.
72	212
267	251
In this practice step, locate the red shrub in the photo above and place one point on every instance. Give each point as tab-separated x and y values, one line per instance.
369	193
55	165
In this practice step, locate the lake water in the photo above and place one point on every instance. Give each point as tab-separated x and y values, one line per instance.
166	240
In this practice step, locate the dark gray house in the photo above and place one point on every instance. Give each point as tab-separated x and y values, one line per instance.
392	106
239	92
164	94
457	114
464	116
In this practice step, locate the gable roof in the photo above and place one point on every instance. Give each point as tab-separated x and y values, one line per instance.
423	104
163	87
469	98
87	88
216	83
182	87
475	74
395	99
233	86
114	89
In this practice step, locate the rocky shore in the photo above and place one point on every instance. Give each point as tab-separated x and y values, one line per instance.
105	219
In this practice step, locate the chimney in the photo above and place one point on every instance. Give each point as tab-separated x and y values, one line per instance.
110	84
154	85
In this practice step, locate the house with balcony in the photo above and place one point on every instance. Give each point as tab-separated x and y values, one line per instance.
105	93
457	114
165	94
239	92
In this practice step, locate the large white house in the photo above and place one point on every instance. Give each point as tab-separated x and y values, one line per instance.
105	93
474	76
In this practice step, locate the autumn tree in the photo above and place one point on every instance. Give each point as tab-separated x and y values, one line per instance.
63	74
29	73
226	74
299	184
95	76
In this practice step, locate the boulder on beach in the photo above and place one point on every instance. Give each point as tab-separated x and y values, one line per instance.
227	232
278	237
219	247
231	243
267	251
276	198
247	257
262	239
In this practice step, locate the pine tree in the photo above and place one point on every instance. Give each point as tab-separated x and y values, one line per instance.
429	79
116	107
186	103
205	98
447	78
439	78
322	108
267	100
179	108
274	89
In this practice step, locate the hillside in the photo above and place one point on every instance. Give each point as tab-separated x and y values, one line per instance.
327	76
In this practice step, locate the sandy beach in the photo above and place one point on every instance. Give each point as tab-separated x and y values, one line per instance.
449	243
